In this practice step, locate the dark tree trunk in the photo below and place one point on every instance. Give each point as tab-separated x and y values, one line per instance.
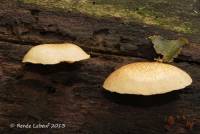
72	94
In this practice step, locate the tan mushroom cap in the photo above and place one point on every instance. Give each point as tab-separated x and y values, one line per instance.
147	78
55	53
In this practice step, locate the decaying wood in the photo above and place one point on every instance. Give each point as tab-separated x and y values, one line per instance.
72	93
33	25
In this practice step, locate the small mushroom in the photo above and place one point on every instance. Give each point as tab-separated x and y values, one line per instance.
147	78
55	53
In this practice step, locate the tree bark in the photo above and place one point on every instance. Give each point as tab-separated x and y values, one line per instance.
28	24
72	94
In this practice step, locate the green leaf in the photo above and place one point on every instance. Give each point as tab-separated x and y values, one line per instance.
169	49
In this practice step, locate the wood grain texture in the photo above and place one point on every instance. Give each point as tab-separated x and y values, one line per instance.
33	25
72	93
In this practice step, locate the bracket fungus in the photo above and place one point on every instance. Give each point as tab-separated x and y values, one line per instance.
150	78
147	78
55	53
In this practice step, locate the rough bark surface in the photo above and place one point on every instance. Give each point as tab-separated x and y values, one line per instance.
28	24
72	93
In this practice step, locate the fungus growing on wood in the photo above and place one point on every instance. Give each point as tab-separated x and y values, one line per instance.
150	78
147	78
55	53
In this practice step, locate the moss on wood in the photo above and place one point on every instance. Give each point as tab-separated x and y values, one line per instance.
173	15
